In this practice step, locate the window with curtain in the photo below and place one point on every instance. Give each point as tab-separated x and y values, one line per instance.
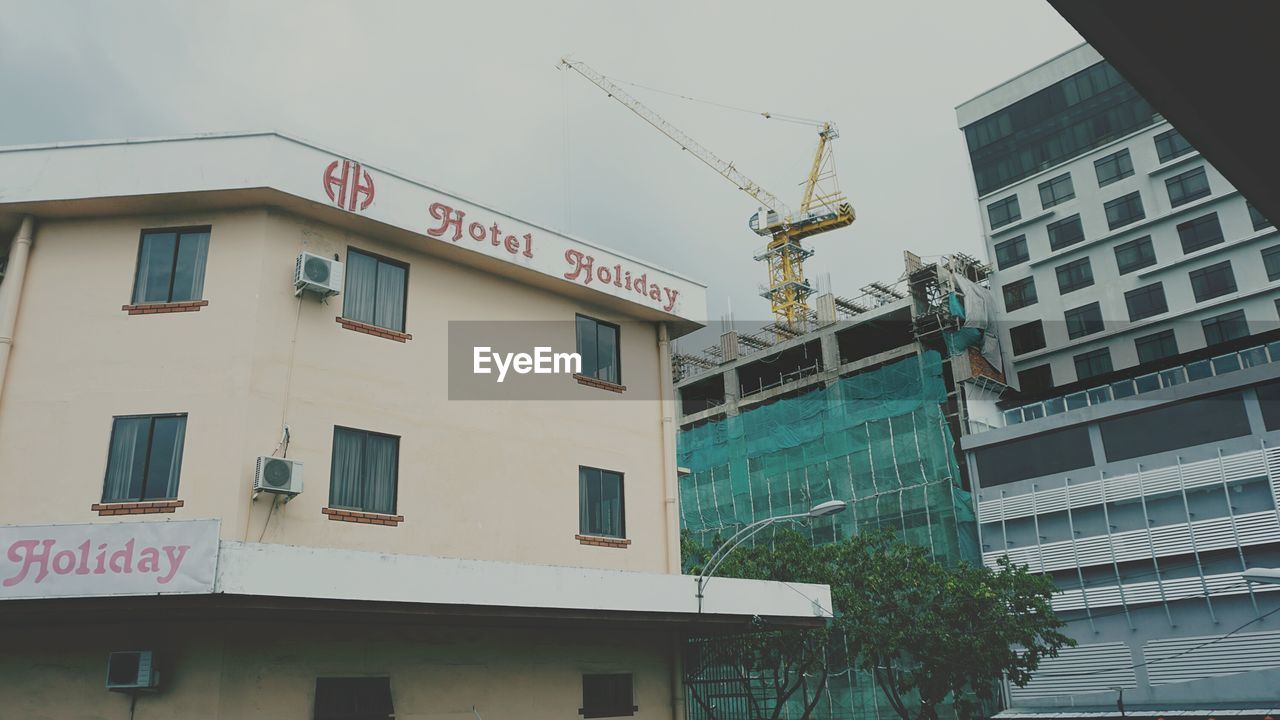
144	458
1084	320
171	266
601	509
1213	281
365	471
600	350
375	292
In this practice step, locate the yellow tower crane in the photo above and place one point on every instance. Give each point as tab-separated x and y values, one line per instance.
822	208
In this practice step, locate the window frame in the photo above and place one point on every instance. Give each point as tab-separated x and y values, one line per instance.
1031	374
1065	222
622	502
333	461
1204	272
1078	315
1018	241
1089	357
1218	321
325	713
1156	338
404	300
1256	218
1013	341
1122	154
1174	152
627	710
1052	185
1267	255
1019	288
1086	277
1180	180
1194	225
1124	201
617	330
1002	203
146	462
173	267
1143	294
1141	242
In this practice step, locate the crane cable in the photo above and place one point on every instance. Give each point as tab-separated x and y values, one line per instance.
767	115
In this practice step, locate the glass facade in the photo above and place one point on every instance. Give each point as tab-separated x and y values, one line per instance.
1062	121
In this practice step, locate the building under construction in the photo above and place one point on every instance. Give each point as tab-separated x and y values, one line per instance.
864	405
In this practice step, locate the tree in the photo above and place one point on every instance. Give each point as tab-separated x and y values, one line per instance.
927	632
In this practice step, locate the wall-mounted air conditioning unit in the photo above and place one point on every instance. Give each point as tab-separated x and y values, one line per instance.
278	475
317	274
132	670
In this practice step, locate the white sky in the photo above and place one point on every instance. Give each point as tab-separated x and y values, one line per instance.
467	97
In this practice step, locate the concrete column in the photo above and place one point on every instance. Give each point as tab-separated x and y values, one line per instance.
666	390
11	290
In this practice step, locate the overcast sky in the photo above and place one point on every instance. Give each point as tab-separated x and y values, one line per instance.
466	97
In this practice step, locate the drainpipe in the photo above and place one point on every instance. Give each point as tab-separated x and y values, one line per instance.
11	290
667	404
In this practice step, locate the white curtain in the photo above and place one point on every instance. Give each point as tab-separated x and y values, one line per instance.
362	288
125	458
348	462
155	263
167	434
600	503
389	305
188	281
380	454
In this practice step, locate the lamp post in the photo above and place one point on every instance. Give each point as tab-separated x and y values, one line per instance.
1268	576
830	507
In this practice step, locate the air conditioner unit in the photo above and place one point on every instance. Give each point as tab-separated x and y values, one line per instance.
278	475
318	274
131	670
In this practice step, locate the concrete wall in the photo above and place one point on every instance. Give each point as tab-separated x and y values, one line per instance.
488	480
268	669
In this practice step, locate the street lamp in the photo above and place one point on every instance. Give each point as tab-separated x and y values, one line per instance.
1270	576
830	507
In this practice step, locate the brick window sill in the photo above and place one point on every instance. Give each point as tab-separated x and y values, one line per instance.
598	383
598	541
161	308
364	518
374	330
136	508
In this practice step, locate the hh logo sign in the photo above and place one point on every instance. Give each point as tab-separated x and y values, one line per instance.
134	558
347	183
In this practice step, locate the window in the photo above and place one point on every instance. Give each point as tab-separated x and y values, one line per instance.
1003	212
171	266
353	698
1093	363
375	290
607	696
601	353
1187	186
1200	232
1056	191
1124	210
1184	424
1064	232
601	510
365	469
1135	255
1256	217
1213	281
1074	275
1146	301
1271	261
1170	144
1224	328
1011	252
1035	380
1156	346
1047	453
144	458
1084	320
1113	167
1019	294
1027	337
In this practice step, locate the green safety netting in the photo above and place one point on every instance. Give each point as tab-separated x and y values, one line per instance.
877	440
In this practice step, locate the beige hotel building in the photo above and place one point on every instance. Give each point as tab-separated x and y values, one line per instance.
238	478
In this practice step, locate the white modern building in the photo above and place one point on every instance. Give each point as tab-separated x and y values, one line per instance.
248	468
1134	457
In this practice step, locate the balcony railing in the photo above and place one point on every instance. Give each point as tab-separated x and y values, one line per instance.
1198	370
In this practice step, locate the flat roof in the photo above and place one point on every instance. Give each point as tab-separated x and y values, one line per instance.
223	170
1030	81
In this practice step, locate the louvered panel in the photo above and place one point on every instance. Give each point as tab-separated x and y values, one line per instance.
1184	659
1160	480
1081	669
1244	466
1199	473
1051	501
1122	488
1086	494
1148	591
1258	528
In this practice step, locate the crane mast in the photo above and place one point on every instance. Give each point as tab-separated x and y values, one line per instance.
822	208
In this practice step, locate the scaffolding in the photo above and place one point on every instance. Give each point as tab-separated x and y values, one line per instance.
878	440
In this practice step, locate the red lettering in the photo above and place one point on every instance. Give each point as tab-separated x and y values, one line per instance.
512	244
446	215
477	232
581	263
29	557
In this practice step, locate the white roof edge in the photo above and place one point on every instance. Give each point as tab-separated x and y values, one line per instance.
337	574
331	151
961	107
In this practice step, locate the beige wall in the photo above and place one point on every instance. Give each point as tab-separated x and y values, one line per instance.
267	669
487	480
